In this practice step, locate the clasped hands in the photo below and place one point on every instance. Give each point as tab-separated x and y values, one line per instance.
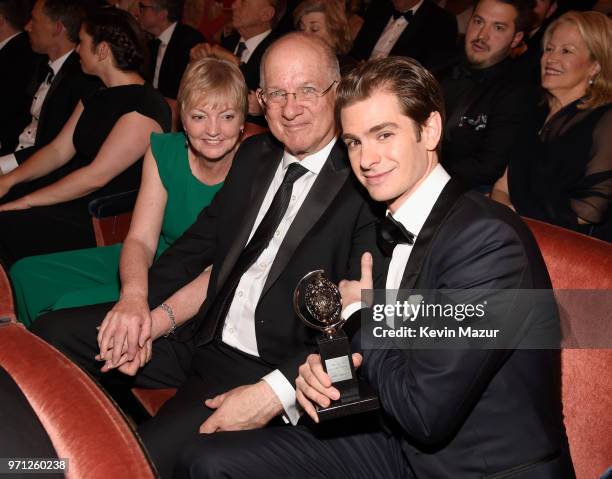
313	384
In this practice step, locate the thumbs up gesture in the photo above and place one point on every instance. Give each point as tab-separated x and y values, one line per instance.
351	290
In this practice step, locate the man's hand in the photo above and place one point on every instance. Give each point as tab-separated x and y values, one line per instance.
313	385
203	50
241	408
125	329
351	290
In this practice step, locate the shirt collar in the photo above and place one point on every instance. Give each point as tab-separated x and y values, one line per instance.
414	211
57	64
6	40
164	37
313	163
253	42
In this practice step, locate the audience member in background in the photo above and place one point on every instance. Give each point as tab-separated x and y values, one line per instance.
326	19
353	15
462	9
17	63
253	21
95	154
565	176
172	43
488	112
181	174
413	28
57	84
529	51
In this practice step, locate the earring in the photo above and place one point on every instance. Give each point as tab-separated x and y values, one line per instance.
591	81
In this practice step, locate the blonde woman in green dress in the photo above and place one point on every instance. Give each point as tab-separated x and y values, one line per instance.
181	174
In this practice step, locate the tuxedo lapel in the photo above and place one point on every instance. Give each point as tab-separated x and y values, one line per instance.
259	187
421	249
331	178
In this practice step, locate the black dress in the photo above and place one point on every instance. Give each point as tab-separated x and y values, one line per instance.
566	172
67	225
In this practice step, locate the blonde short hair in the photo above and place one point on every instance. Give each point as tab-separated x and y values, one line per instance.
335	17
215	81
596	30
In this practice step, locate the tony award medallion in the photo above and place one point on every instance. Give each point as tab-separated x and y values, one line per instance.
317	302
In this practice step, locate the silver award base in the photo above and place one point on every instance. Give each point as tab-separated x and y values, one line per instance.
356	396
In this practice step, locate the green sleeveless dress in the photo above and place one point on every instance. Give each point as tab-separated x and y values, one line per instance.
91	276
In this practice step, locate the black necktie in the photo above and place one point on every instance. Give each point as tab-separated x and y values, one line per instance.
260	240
407	15
240	50
391	233
155	44
46	74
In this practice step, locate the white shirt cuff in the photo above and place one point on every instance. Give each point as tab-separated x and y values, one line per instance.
8	163
352	309
286	394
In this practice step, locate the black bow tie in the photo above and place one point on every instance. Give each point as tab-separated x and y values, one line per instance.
46	73
391	233
407	15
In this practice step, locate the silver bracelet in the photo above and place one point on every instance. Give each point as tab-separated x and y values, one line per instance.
168	309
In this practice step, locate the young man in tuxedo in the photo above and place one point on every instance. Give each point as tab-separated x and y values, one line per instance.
448	412
488	107
171	45
289	205
57	84
419	29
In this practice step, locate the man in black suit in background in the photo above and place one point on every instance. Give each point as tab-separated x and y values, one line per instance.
413	28
490	110
289	205
58	82
172	44
17	62
254	21
449	412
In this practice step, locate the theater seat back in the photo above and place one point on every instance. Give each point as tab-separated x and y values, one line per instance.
574	262
83	424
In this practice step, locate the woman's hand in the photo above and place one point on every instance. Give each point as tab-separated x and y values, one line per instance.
125	330
22	203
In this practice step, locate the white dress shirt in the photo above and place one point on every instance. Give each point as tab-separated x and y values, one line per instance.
28	136
239	326
164	37
412	214
251	44
391	34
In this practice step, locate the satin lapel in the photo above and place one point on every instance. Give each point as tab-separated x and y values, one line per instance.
421	249
259	188
57	79
331	178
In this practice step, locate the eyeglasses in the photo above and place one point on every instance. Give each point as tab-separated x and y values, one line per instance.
302	95
142	6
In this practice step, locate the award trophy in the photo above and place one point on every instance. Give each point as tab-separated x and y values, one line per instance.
317	302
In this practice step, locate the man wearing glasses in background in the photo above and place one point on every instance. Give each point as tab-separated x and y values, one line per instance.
288	206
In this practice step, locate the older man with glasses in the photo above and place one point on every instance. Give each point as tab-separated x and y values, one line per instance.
289	206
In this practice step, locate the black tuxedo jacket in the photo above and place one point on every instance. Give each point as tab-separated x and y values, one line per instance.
69	86
17	62
334	226
430	36
479	412
250	69
176	59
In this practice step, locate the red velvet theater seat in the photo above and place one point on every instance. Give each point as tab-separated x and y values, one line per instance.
7	306
574	262
83	424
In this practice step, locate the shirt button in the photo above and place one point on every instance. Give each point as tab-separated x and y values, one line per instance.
292	197
277	233
240	293
231	330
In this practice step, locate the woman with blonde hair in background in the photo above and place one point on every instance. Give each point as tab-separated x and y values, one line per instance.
565	175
